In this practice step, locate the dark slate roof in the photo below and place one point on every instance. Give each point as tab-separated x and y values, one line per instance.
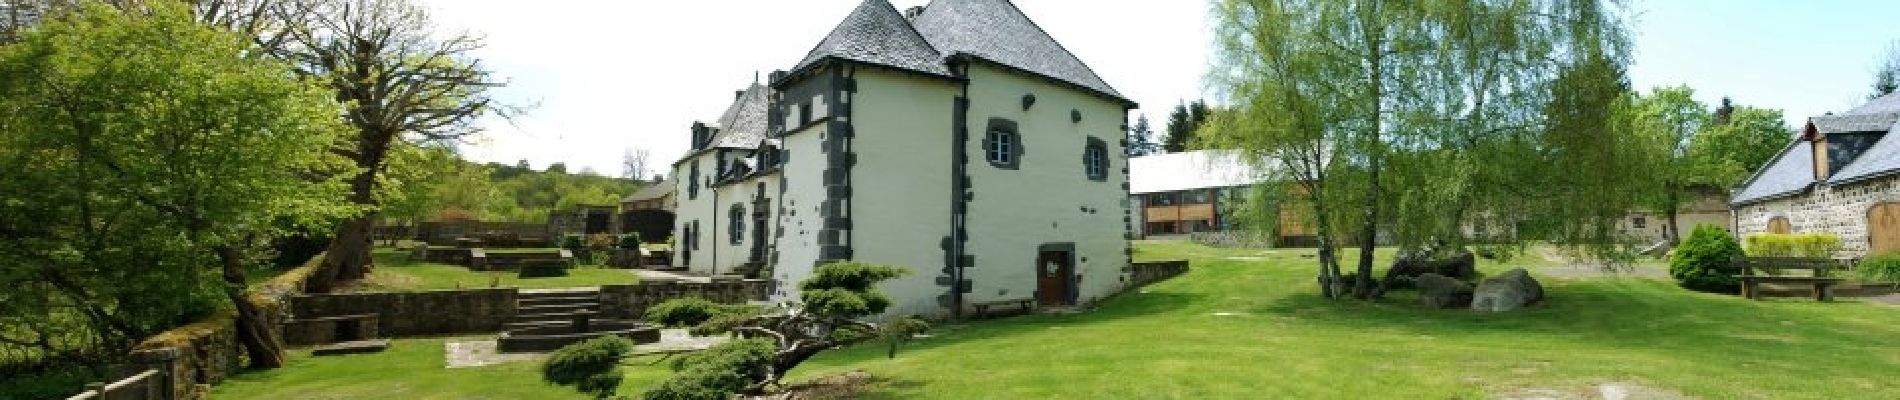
743	125
876	33
997	31
1880	160
1882	104
1855	122
1788	173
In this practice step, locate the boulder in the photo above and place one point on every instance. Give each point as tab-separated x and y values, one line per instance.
1456	265
1508	291
1438	291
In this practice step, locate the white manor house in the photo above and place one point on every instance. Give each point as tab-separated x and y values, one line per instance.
958	140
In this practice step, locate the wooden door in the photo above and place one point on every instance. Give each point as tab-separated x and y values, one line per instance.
1054	277
1883	228
1780	225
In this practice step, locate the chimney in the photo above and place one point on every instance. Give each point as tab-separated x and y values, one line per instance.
776	76
736	94
911	13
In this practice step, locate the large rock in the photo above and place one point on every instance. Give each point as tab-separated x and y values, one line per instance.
1438	291
1508	291
1456	265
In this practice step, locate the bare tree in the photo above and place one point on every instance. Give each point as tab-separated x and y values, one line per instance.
404	83
633	163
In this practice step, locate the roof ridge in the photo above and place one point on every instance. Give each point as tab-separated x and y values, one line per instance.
1064	48
874	33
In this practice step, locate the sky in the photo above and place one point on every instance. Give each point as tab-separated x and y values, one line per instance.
602	77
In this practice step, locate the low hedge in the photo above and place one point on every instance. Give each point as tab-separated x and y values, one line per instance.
1811	245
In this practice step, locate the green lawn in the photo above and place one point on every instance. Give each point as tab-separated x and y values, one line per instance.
394	272
1249	324
411	369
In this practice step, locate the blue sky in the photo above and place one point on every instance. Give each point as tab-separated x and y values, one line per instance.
1805	57
612	75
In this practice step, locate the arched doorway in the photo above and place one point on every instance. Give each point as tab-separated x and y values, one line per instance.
1780	225
1883	228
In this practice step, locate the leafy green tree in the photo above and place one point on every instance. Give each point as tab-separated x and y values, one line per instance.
149	147
1670	118
1735	146
1445	100
403	84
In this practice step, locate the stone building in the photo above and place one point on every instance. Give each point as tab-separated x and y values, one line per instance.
958	140
1838	176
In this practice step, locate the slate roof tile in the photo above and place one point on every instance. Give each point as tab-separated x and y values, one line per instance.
876	33
743	125
997	31
1790	172
1852	122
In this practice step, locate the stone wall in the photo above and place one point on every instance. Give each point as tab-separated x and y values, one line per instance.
417	313
1233	239
205	352
1144	273
631	301
1841	210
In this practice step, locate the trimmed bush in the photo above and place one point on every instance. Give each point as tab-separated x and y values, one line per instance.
1811	245
1880	268
593	366
1702	263
574	242
630	241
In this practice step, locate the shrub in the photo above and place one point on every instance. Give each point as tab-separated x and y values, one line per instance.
574	242
630	241
592	367
1880	268
717	372
1702	263
1812	245
694	311
602	241
843	289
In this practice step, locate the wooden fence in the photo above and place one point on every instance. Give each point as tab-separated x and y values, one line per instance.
150	379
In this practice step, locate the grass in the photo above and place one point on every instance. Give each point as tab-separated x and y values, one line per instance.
394	272
1249	324
410	369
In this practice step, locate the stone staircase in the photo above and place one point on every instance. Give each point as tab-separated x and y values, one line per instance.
553	307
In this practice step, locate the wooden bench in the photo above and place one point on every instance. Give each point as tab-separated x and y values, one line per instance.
1770	269
1024	304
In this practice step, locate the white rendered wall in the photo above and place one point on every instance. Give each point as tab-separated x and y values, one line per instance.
901	185
798	213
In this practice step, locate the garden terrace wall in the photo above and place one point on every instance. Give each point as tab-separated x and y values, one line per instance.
208	351
417	313
631	301
1143	273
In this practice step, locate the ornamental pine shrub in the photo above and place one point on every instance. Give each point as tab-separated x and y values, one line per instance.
592	367
1702	263
717	372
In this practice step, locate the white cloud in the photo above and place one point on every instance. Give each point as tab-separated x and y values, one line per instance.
609	75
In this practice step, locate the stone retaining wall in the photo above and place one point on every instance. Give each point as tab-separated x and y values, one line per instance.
1144	273
1232	239
631	301
1841	210
417	313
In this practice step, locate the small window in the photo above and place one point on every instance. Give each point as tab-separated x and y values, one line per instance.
736	223
1095	159
1195	197
804	114
1639	222
1161	199
692	236
1000	144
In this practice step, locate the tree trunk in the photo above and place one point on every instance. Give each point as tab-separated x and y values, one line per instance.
1672	233
348	256
253	330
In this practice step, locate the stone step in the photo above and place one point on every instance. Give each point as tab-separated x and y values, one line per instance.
547	293
544	301
556	308
549	316
356	347
530	324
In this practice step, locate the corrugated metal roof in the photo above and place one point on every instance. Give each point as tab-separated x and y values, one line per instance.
1190	170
